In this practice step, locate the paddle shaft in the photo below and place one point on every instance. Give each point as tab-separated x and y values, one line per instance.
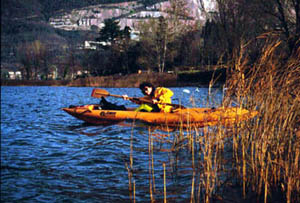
98	93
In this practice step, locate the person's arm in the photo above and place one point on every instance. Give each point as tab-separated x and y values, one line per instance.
134	100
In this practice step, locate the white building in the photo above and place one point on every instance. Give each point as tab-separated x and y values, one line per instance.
15	75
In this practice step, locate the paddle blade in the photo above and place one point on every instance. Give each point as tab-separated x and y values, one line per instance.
98	93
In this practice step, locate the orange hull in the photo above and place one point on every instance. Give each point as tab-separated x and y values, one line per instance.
189	117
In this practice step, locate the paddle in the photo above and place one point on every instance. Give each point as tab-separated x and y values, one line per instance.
98	93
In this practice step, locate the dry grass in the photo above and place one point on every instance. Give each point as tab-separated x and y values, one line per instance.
257	160
265	157
132	80
267	151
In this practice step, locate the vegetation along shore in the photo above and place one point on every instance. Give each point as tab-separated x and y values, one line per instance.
132	80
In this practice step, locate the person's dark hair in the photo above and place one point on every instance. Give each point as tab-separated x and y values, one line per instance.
146	84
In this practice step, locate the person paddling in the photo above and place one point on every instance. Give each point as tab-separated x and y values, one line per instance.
158	96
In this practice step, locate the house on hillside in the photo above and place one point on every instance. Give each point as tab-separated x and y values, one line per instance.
13	72
10	72
15	75
92	44
134	35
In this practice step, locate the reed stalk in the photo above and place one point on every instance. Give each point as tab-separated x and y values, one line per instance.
268	148
134	191
165	184
131	187
151	177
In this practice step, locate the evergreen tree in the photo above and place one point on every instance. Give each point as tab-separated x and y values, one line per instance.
109	33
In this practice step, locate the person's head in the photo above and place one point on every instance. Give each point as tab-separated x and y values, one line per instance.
147	88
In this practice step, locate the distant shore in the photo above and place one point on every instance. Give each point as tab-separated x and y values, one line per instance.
132	80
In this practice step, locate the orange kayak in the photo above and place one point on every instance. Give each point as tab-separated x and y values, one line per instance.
188	117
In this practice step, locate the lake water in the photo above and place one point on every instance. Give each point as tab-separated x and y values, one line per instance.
49	156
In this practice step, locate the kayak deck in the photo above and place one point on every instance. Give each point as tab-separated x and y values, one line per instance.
189	117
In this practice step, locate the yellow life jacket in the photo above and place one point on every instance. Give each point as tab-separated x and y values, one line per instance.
164	96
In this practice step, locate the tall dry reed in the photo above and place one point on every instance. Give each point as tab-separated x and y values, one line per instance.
267	150
256	160
261	155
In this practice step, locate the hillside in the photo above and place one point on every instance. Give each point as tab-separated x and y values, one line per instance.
28	21
48	21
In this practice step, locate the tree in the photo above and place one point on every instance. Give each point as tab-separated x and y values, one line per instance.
40	59
109	33
34	57
161	41
124	45
160	37
152	42
179	24
285	15
190	50
25	57
115	44
72	63
234	24
240	21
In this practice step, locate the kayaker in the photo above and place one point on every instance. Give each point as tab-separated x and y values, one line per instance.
157	95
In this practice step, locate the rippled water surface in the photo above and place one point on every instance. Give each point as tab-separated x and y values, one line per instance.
49	156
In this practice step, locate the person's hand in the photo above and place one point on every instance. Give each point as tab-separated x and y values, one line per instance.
125	97
154	101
